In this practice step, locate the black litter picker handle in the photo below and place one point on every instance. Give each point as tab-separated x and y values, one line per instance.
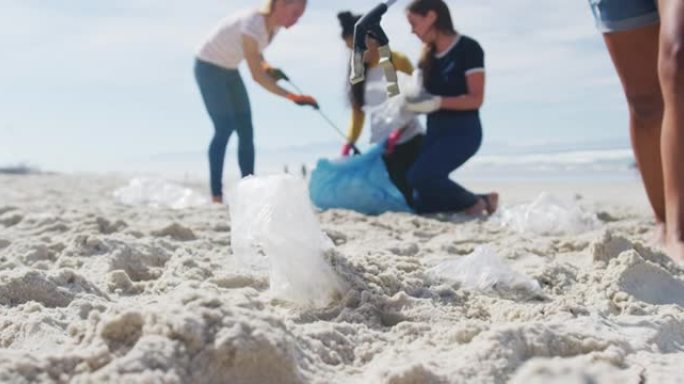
368	25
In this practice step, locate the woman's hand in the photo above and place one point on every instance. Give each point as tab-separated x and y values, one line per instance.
349	148
392	140
303	100
346	149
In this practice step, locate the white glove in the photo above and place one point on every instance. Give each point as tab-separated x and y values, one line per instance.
424	103
414	86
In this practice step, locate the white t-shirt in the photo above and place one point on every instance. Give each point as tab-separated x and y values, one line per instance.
386	114
223	46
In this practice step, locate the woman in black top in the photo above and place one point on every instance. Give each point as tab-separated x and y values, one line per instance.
453	76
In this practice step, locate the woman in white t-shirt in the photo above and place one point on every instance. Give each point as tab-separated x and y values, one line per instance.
241	37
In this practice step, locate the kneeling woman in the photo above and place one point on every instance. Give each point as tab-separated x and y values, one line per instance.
452	67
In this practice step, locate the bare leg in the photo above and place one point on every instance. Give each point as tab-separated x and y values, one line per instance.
671	72
635	56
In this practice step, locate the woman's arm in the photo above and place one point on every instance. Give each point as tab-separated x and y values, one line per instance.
402	63
470	101
254	61
355	125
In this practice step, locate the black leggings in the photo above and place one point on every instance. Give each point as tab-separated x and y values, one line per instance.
400	161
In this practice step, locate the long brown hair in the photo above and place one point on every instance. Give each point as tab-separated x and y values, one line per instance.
443	24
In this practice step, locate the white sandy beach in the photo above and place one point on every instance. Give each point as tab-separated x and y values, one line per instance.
93	291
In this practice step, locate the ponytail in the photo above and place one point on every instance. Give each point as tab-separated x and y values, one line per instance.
427	62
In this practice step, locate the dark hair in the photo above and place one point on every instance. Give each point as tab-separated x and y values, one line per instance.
347	22
443	24
356	91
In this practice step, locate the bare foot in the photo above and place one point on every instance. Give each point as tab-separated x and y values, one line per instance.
477	208
217	199
492	202
488	203
675	249
659	236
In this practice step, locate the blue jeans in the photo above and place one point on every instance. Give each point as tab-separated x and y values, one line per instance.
226	101
624	15
450	141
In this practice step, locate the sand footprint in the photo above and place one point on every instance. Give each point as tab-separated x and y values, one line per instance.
106	227
6	209
176	232
11	219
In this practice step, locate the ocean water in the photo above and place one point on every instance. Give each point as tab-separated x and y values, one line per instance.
571	162
587	164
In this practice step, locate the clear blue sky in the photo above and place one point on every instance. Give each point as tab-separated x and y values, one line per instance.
88	85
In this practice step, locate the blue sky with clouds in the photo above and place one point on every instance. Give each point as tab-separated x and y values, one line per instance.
94	85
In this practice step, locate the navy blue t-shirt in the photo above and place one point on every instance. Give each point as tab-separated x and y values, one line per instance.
448	74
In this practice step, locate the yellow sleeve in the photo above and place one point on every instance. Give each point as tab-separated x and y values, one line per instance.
402	63
356	125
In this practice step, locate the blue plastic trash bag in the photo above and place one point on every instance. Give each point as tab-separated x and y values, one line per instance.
360	183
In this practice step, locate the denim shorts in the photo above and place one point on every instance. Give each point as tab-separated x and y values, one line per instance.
624	15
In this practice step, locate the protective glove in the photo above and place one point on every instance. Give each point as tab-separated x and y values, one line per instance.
275	73
303	100
392	140
346	149
350	148
423	103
